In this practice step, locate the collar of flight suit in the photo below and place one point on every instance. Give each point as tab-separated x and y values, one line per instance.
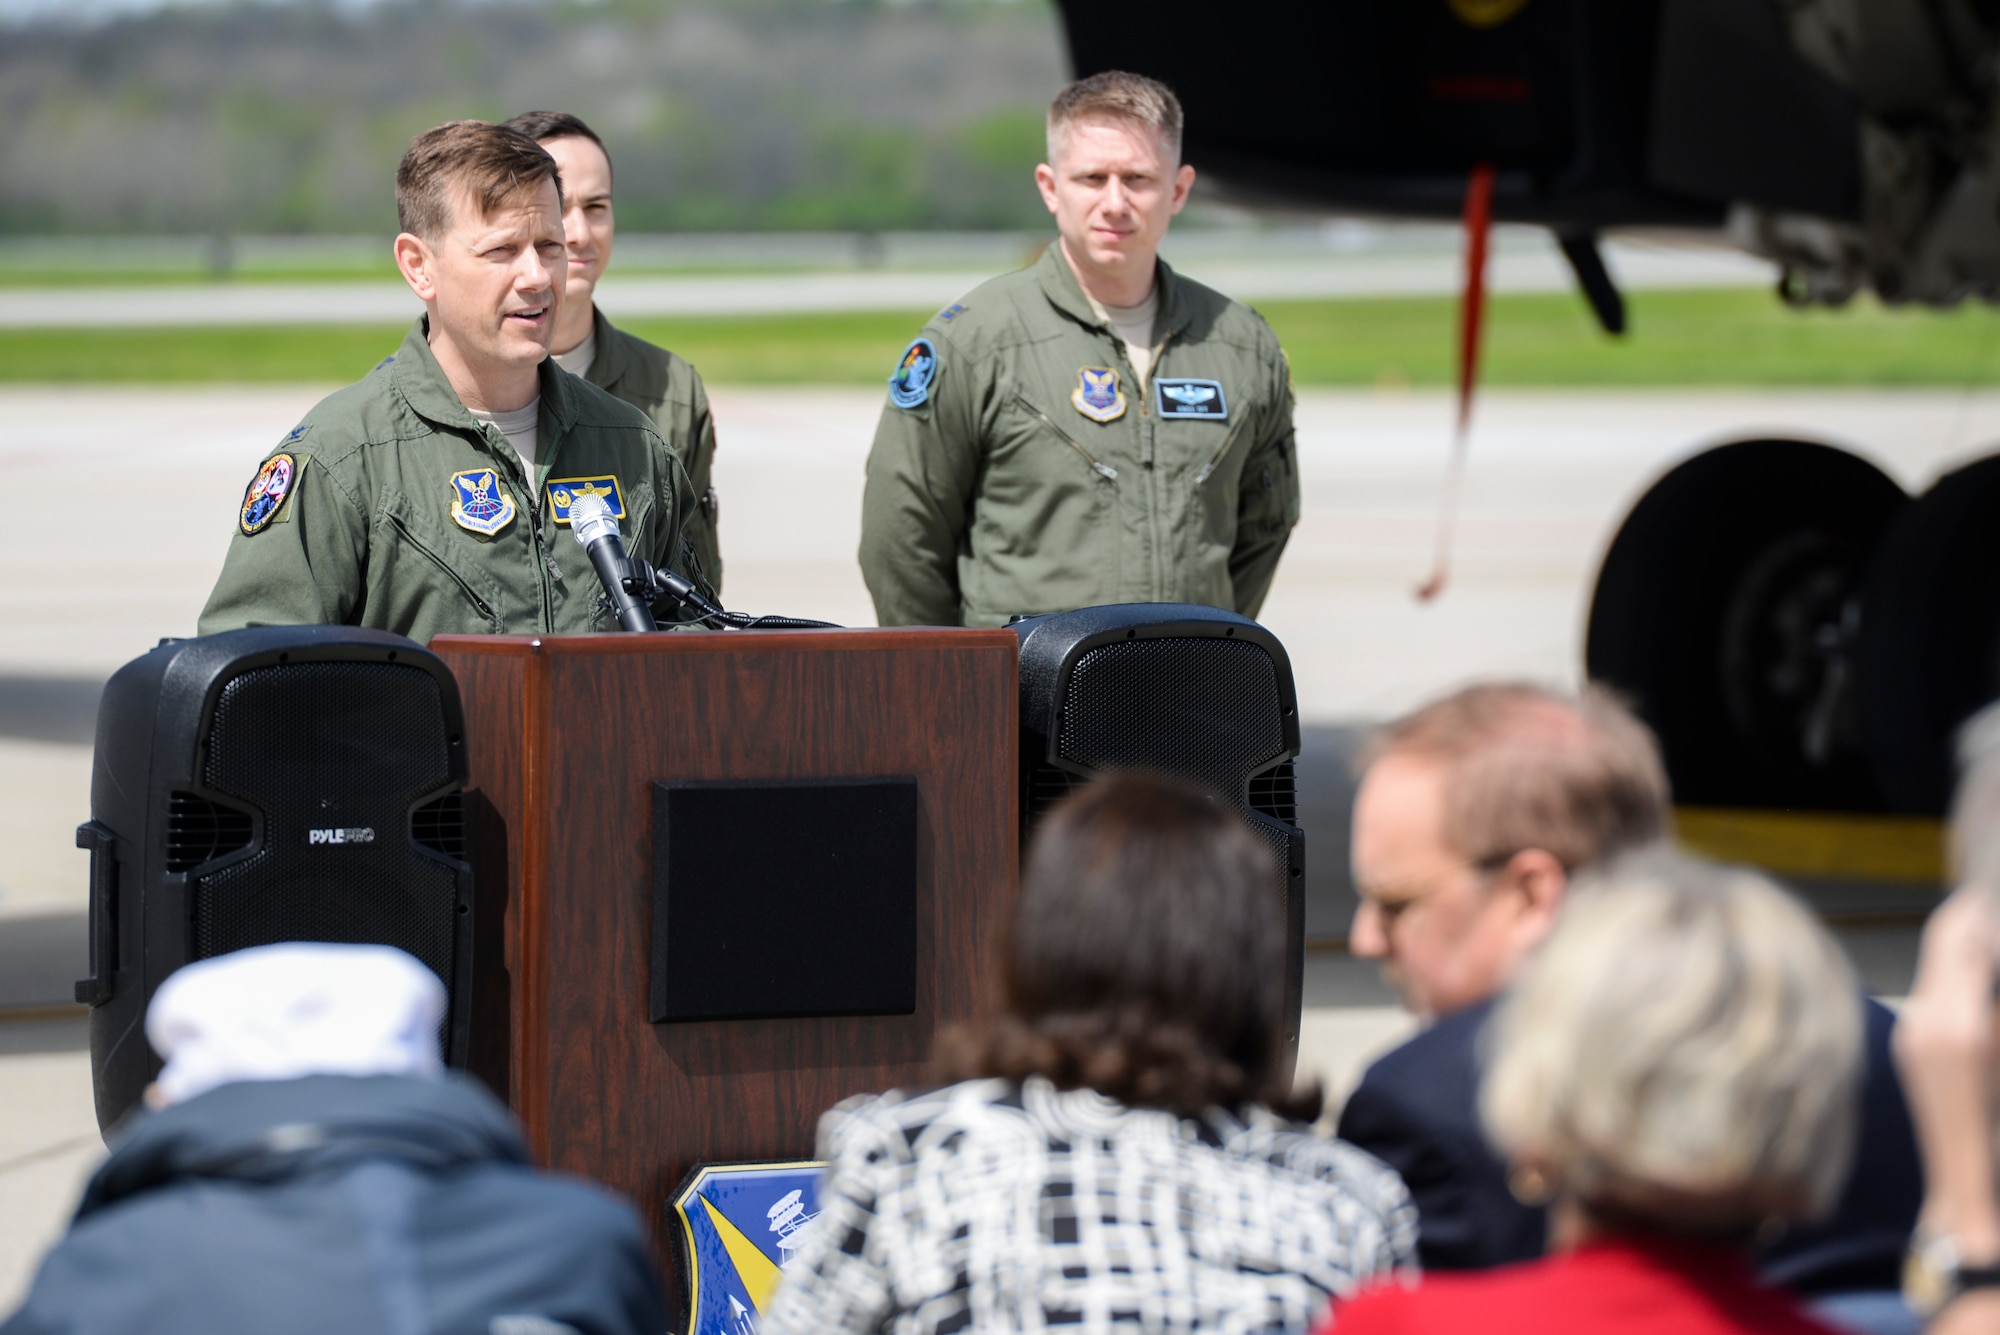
425	387
1060	286
608	362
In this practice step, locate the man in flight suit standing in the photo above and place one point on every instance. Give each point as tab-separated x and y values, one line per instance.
1094	429
651	379
433	495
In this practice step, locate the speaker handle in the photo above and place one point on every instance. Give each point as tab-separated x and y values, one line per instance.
103	846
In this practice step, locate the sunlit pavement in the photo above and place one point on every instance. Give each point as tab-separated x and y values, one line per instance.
123	500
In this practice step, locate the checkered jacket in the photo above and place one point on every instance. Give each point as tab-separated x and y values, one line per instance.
988	1207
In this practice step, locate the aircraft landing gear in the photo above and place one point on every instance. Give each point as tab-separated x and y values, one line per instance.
1728	612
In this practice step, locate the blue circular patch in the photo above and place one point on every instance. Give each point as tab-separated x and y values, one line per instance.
916	372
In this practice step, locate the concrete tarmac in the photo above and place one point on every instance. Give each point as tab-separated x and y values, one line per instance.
123	500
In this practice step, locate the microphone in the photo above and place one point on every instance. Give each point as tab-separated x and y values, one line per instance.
597	533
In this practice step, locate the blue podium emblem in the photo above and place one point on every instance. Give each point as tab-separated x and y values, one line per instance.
740	1223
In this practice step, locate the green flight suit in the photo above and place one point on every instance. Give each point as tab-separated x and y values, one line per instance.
1029	474
668	390
389	481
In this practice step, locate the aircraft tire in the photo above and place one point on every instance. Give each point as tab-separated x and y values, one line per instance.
1930	642
1725	613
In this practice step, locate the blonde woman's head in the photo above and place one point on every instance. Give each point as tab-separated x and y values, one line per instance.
1683	1053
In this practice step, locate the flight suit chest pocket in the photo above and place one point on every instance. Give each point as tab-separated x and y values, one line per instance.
419	559
1037	441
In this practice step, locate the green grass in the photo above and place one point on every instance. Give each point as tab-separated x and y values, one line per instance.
1734	337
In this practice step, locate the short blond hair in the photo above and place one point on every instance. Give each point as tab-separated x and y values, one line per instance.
1119	96
492	164
1578	777
1684	1051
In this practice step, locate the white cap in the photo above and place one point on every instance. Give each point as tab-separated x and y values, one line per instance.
302	1008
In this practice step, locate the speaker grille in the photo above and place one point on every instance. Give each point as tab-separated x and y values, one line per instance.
336	755
199	831
1206	709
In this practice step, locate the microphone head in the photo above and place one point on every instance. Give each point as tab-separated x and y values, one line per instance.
590	519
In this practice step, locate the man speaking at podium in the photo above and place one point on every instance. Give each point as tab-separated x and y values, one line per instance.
433	496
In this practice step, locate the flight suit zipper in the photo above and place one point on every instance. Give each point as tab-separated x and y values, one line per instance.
1147	425
1215	461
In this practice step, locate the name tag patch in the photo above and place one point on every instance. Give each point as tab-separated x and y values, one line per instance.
564	490
1193	398
479	504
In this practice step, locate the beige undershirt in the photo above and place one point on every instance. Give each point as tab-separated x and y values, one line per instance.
522	428
1134	327
578	359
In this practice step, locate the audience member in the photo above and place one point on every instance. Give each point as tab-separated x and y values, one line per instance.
1945	1047
1473	815
309	1167
1675	1071
1111	1155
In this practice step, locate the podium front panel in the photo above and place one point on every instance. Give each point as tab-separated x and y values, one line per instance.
569	736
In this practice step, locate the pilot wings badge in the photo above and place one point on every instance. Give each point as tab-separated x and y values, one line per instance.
479	504
1097	395
1193	398
740	1225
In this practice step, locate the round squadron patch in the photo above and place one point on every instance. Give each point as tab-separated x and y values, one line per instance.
1097	395
479	504
267	493
910	387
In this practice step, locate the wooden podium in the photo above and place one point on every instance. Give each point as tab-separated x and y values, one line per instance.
568	738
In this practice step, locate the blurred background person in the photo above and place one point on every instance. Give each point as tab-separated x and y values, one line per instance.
1946	1051
648	377
310	1167
1674	1072
1116	1152
1472	817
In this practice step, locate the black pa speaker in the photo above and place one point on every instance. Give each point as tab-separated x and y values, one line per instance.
1180	689
289	783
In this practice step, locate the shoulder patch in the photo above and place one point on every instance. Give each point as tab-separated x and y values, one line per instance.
562	491
267	493
1183	397
916	371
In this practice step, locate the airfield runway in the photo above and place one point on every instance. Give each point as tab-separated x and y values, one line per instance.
121	501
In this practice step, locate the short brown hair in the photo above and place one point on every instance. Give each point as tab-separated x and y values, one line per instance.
1116	95
1146	958
491	163
1578	777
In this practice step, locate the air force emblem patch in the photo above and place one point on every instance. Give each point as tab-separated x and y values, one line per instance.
1193	398
267	492
563	490
910	387
479	504
740	1224
1097	395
